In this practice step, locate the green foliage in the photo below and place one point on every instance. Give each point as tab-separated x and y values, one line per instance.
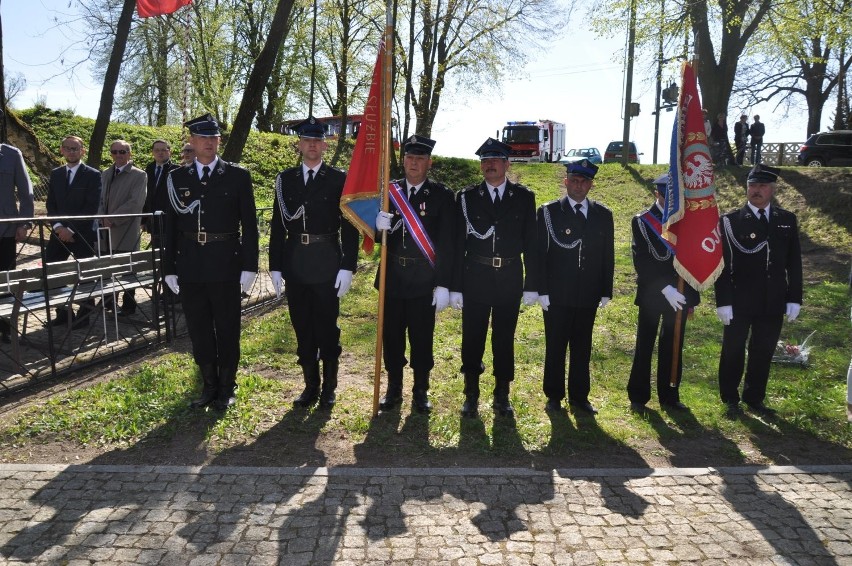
455	173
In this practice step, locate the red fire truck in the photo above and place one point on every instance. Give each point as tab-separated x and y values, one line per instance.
542	141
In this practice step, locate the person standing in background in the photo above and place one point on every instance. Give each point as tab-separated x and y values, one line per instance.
757	131
741	134
16	201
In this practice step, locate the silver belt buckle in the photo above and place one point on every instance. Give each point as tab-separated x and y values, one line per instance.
496	262
305	239
201	238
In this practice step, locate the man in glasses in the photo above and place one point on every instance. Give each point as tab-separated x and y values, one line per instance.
157	198
124	190
74	189
187	154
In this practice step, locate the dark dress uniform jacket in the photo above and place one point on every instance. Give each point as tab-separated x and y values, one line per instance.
82	198
578	276
434	204
514	224
316	262
158	193
227	207
653	274
747	282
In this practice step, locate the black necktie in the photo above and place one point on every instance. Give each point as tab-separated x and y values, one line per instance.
68	179
310	178
157	172
578	210
205	175
411	193
117	172
496	196
763	217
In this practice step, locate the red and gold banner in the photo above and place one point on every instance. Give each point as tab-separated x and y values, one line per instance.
691	216
149	8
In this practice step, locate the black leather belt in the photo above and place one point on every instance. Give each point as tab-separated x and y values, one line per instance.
491	261
406	261
306	239
205	237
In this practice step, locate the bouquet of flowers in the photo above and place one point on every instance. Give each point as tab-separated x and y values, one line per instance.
791	353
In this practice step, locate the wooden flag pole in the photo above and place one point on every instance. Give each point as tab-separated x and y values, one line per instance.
384	180
676	337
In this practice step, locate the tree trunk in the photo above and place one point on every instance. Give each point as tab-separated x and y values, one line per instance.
122	31
257	81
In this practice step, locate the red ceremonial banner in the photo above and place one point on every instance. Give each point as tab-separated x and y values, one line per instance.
692	215
361	200
149	8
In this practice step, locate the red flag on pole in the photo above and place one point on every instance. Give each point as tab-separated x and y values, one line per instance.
691	214
361	199
149	8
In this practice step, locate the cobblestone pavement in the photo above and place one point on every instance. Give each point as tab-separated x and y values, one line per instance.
234	516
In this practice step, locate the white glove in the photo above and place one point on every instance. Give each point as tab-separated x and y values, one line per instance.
171	281
725	314
530	298
277	282
456	300
675	299
604	302
440	298
383	220
544	301
343	282
793	311
247	280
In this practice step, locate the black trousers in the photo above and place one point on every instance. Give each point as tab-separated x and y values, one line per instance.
415	317
212	312
8	253
761	332
639	385
566	327
504	320
57	250
313	311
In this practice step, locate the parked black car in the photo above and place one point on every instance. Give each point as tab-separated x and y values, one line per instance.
613	153
827	149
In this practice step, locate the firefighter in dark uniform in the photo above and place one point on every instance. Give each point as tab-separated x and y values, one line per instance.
414	288
760	283
494	268
314	250
577	262
658	299
210	254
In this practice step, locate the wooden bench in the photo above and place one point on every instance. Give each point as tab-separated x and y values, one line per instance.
61	284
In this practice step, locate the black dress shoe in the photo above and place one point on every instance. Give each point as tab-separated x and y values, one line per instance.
307	398
733	409
206	398
638	408
503	408
420	402
223	404
761	409
390	401
327	400
584	406
470	409
674	405
554	406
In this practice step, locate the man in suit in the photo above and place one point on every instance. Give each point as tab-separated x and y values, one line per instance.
123	193
760	283
210	254
658	299
16	201
157	197
74	189
577	262
757	130
741	138
315	250
495	248
418	280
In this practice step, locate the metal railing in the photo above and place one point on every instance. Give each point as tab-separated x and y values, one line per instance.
38	347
